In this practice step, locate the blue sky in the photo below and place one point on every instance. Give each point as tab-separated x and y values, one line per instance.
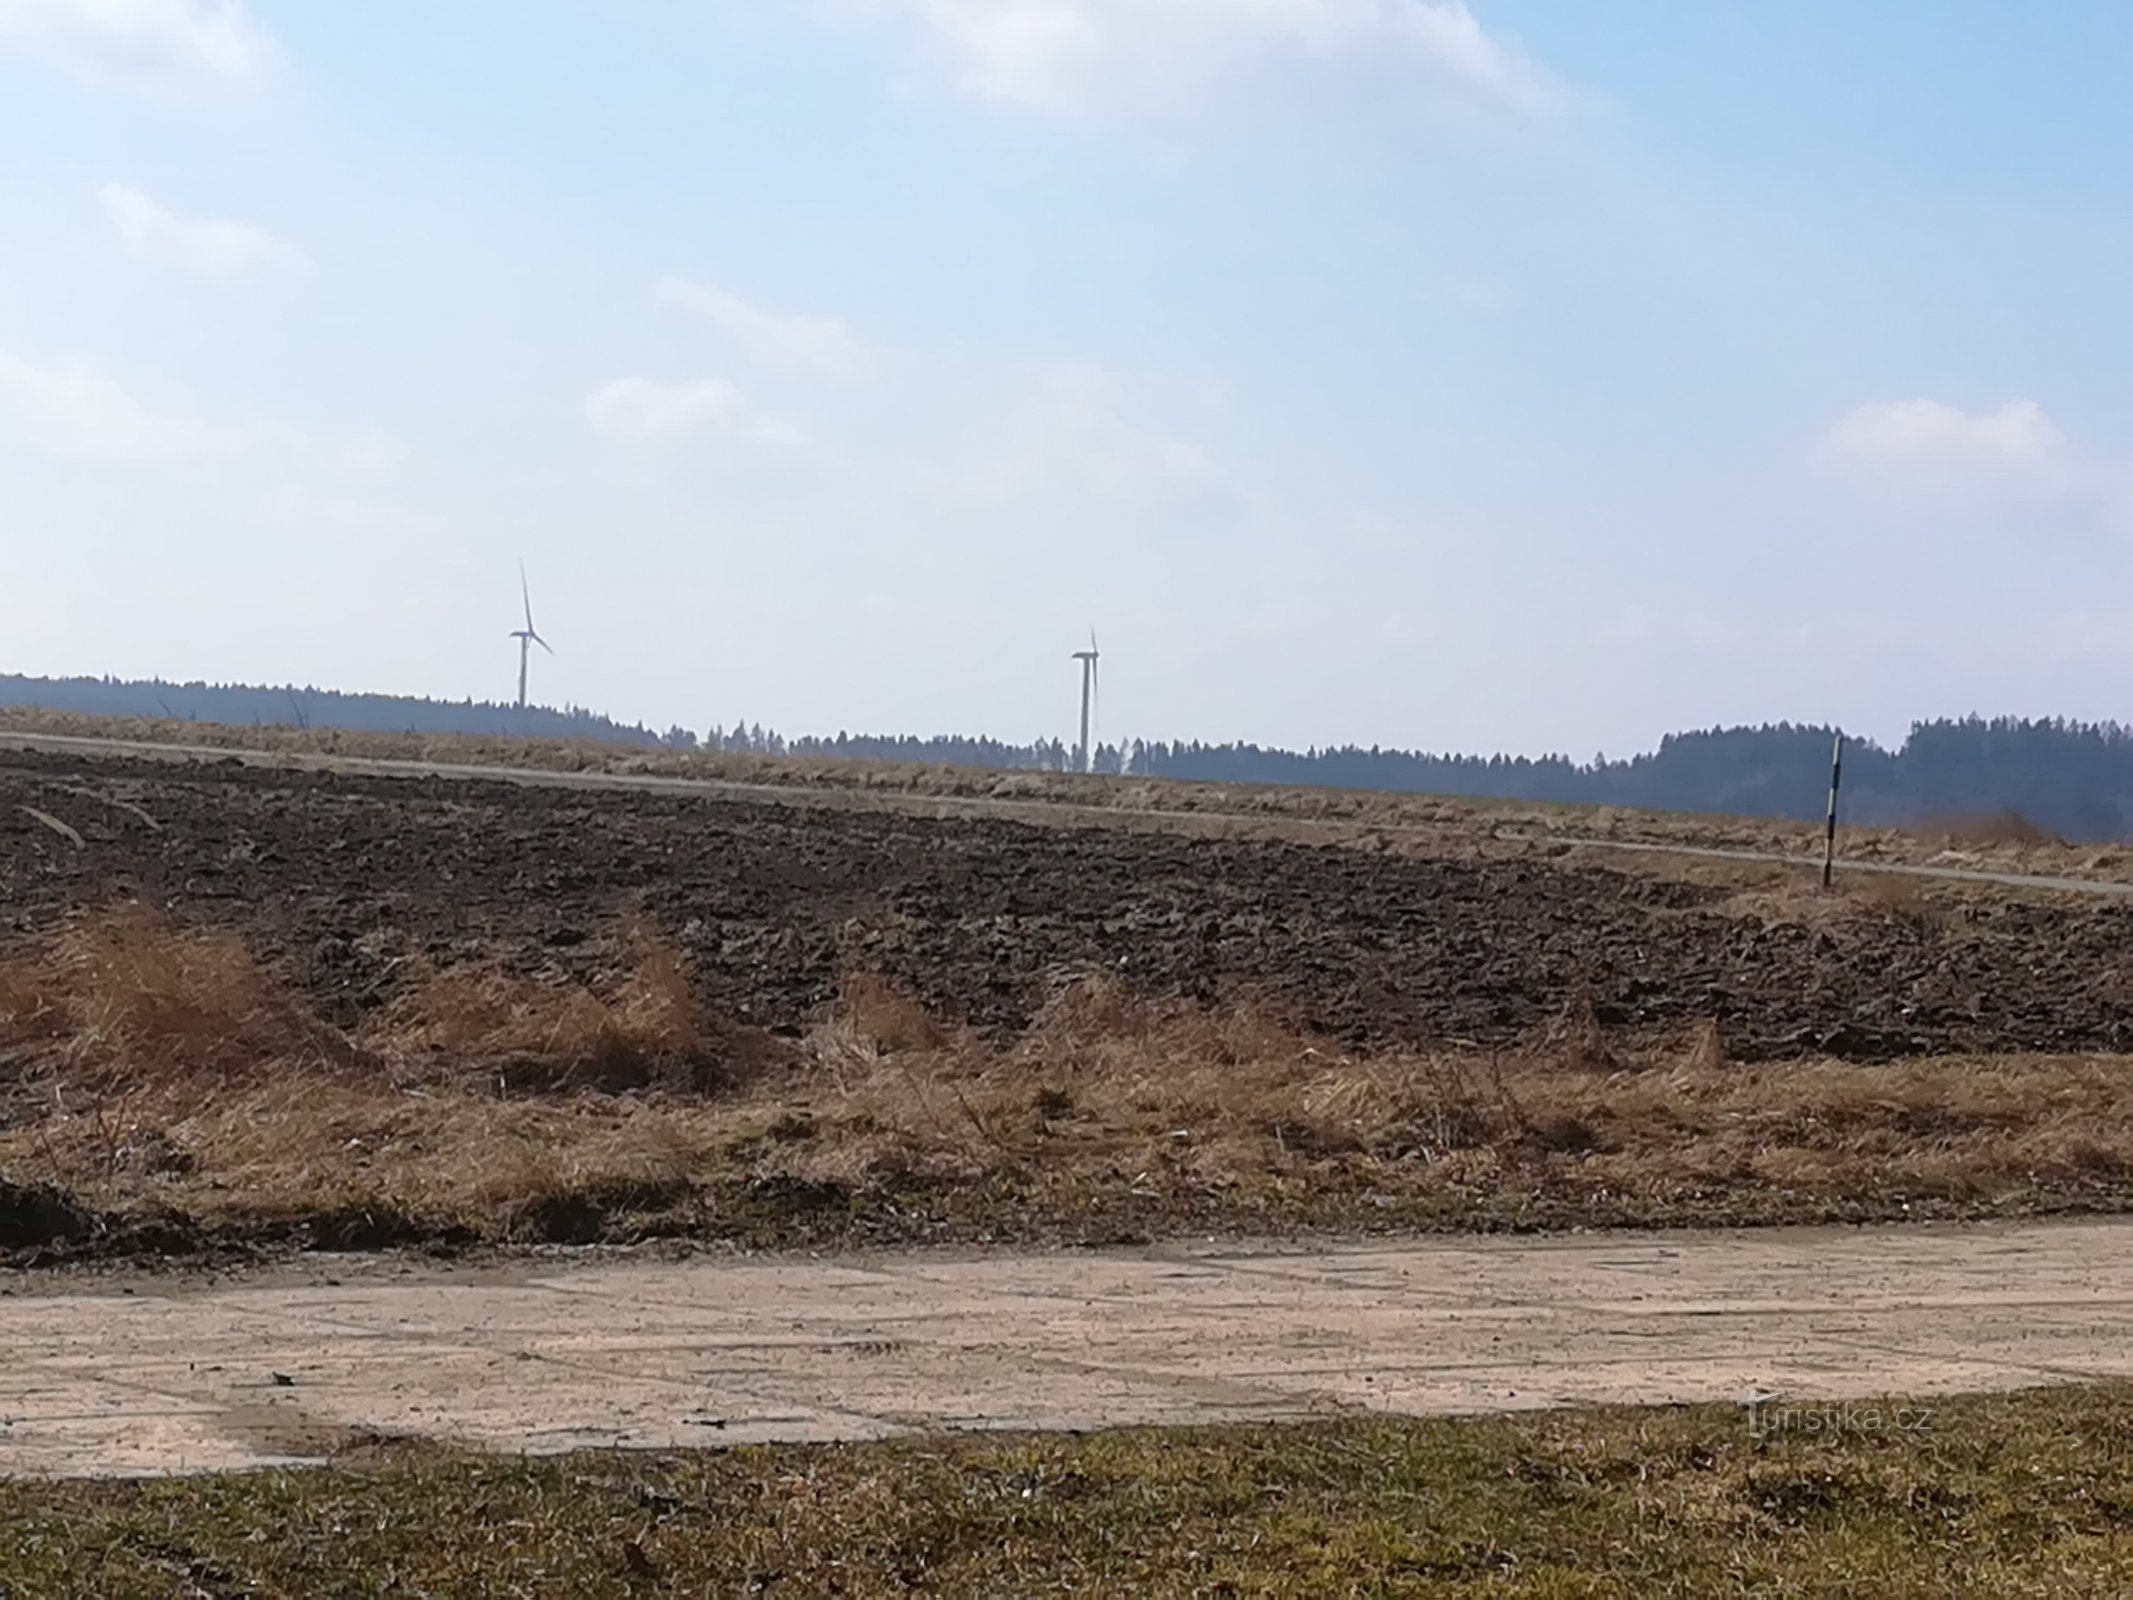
1530	375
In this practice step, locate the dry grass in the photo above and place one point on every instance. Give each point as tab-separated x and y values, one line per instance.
1231	1113
127	1001
124	1002
146	1063
1971	829
550	1038
1859	900
157	1069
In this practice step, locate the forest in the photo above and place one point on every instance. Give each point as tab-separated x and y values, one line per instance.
2071	779
237	705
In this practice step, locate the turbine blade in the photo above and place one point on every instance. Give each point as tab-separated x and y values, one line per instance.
544	644
525	594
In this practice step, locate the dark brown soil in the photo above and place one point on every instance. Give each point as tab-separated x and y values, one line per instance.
340	879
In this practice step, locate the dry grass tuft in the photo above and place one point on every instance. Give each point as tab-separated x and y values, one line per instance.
1859	900
126	999
141	1053
1093	1023
552	1037
877	1017
2004	826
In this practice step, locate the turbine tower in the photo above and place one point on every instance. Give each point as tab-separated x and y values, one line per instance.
1085	755
527	637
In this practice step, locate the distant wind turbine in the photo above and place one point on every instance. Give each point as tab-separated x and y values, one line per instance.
527	637
1085	756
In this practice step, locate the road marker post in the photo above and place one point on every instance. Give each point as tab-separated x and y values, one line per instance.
1829	838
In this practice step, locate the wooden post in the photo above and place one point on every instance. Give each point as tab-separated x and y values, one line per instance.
1829	842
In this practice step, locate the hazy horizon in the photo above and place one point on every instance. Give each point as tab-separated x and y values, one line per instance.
737	720
1496	377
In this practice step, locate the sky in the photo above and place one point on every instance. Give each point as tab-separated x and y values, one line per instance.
1524	375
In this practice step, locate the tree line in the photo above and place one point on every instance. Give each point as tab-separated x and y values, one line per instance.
2072	779
237	705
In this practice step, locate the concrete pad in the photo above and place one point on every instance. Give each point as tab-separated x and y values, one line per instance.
664	1354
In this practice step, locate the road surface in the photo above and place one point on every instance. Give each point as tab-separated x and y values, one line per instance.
1708	852
926	804
162	1375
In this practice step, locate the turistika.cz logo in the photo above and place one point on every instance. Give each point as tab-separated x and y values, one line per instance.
1770	1417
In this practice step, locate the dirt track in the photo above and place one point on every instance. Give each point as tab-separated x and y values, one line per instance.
660	1355
343	878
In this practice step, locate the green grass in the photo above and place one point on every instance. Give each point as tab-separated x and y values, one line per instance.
2018	1495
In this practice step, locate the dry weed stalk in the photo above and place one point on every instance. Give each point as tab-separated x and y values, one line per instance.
1575	1040
1707	1048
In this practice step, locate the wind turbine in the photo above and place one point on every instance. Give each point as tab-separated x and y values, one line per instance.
1085	757
527	637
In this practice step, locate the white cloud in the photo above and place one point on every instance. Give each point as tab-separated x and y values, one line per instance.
73	409
816	346
1067	433
645	410
216	39
208	246
2018	443
1938	457
76	410
1073	56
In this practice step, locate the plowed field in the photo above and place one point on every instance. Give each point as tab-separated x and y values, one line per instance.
342	879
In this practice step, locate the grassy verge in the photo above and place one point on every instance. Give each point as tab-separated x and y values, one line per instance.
2019	1495
161	1092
